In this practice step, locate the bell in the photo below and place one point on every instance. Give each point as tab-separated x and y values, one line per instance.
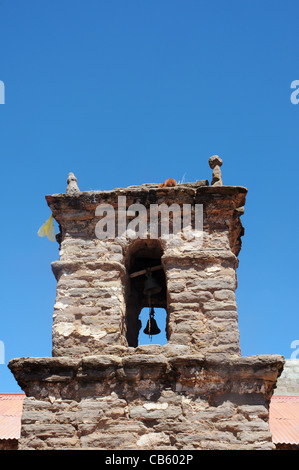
151	286
151	328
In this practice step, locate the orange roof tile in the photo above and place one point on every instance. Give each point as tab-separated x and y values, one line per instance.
11	406
284	419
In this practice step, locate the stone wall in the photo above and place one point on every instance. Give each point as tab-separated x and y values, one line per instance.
288	382
144	401
90	312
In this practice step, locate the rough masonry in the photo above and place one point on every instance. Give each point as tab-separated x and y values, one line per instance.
101	389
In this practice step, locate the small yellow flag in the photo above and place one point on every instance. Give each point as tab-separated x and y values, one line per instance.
48	229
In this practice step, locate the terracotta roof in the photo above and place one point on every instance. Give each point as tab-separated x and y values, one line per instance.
284	419
11	406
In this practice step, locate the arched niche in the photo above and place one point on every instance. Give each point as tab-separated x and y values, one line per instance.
143	258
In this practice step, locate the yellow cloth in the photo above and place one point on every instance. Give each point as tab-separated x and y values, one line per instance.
48	229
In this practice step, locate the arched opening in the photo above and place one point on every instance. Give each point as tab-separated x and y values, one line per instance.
145	273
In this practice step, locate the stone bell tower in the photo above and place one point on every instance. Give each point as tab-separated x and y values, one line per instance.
101	389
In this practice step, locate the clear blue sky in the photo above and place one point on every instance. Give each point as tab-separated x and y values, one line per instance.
128	92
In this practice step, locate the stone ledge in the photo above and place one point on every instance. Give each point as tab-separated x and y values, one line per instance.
81	206
199	187
209	376
62	267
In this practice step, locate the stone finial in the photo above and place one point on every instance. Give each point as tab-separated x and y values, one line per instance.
72	186
215	163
